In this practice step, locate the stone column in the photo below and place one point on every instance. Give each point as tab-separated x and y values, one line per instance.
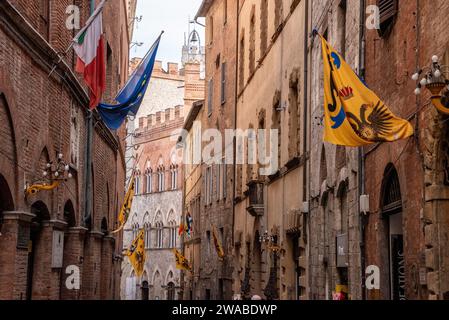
73	256
14	241
90	288
46	277
107	275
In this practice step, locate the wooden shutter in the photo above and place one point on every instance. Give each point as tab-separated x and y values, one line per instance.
210	96
387	9
223	83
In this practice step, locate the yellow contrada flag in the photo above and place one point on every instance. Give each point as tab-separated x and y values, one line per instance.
354	115
136	253
181	262
126	208
218	246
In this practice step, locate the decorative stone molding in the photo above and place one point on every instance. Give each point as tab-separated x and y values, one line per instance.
18	215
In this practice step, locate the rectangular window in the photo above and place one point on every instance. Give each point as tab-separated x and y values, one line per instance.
210	91
225	11
242	61
208	241
218	182
223	83
342	27
211	30
225	178
136	187
211	184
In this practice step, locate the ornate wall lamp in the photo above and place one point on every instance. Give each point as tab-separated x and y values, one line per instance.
433	79
54	174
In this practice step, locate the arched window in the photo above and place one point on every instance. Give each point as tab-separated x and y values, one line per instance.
161	179
137	181
171	291
174	176
147	227
172	239
145	291
159	230
149	180
134	227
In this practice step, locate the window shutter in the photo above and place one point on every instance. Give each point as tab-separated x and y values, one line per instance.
387	9
209	96
223	82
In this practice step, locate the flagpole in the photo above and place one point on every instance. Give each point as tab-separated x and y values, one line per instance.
60	59
94	12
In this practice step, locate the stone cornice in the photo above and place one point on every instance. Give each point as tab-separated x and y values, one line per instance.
18	215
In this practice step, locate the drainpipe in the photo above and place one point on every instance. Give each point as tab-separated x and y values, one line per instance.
88	158
234	169
361	153
306	182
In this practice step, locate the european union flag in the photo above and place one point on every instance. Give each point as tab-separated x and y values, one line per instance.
131	96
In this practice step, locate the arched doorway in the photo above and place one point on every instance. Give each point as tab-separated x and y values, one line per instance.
392	214
40	210
70	257
6	201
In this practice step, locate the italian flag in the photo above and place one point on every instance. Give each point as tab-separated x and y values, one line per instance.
89	47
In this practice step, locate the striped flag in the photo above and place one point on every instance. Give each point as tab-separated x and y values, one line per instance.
89	47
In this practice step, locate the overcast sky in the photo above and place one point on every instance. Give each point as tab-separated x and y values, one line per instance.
169	15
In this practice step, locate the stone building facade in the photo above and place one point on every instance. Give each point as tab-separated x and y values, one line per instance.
270	237
192	179
156	159
334	185
156	207
42	116
214	278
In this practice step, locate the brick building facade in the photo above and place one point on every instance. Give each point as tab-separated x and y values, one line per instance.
45	116
407	180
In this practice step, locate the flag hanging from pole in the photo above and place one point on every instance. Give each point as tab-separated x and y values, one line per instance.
353	114
89	47
131	96
181	262
136	253
218	246
126	208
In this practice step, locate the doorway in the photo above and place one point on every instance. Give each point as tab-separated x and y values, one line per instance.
40	210
392	214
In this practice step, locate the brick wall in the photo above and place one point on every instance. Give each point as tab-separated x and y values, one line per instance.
37	111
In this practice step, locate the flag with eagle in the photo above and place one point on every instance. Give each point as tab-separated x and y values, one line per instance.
136	253
353	114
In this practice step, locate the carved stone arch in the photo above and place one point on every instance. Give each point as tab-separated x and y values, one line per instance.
158	217
342	188
156	273
170	275
171	216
